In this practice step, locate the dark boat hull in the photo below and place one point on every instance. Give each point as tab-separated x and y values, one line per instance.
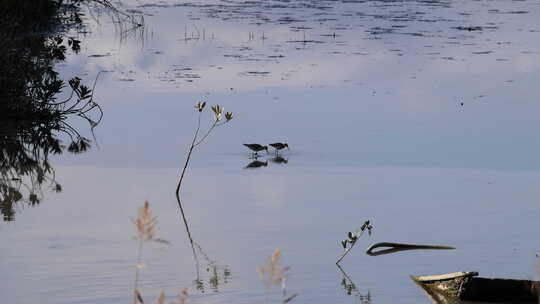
462	287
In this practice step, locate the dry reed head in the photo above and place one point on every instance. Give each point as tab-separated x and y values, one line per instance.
161	298
182	297
145	223
273	273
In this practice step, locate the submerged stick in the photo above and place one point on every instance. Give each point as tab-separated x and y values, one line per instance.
396	247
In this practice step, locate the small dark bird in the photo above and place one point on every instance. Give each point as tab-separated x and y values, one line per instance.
256	164
256	148
279	146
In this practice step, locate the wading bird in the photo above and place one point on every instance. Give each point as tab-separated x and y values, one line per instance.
256	148
278	146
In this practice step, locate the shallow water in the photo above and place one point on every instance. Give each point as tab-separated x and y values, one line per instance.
420	116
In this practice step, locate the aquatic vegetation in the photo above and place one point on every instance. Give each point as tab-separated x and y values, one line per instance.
198	139
182	298
145	227
219	273
121	16
273	273
352	238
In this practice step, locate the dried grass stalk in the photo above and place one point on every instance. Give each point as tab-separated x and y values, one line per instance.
161	298
145	223
273	273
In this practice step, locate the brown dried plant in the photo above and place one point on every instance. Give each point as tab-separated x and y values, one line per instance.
145	223
161	298
181	299
145	226
273	273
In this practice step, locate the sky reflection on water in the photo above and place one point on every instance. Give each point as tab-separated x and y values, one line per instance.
249	213
376	128
369	103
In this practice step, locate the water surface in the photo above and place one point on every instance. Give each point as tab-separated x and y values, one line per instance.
420	116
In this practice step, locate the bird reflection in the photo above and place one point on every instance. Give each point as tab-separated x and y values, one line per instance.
256	164
276	159
351	289
279	160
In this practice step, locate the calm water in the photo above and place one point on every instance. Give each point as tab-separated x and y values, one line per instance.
421	116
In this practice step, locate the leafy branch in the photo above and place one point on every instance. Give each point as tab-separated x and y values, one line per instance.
198	140
352	237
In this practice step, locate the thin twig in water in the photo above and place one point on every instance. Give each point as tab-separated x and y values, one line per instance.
218	110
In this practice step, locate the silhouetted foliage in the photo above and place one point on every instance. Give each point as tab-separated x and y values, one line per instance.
33	119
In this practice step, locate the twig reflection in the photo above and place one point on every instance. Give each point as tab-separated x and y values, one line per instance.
352	290
218	273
